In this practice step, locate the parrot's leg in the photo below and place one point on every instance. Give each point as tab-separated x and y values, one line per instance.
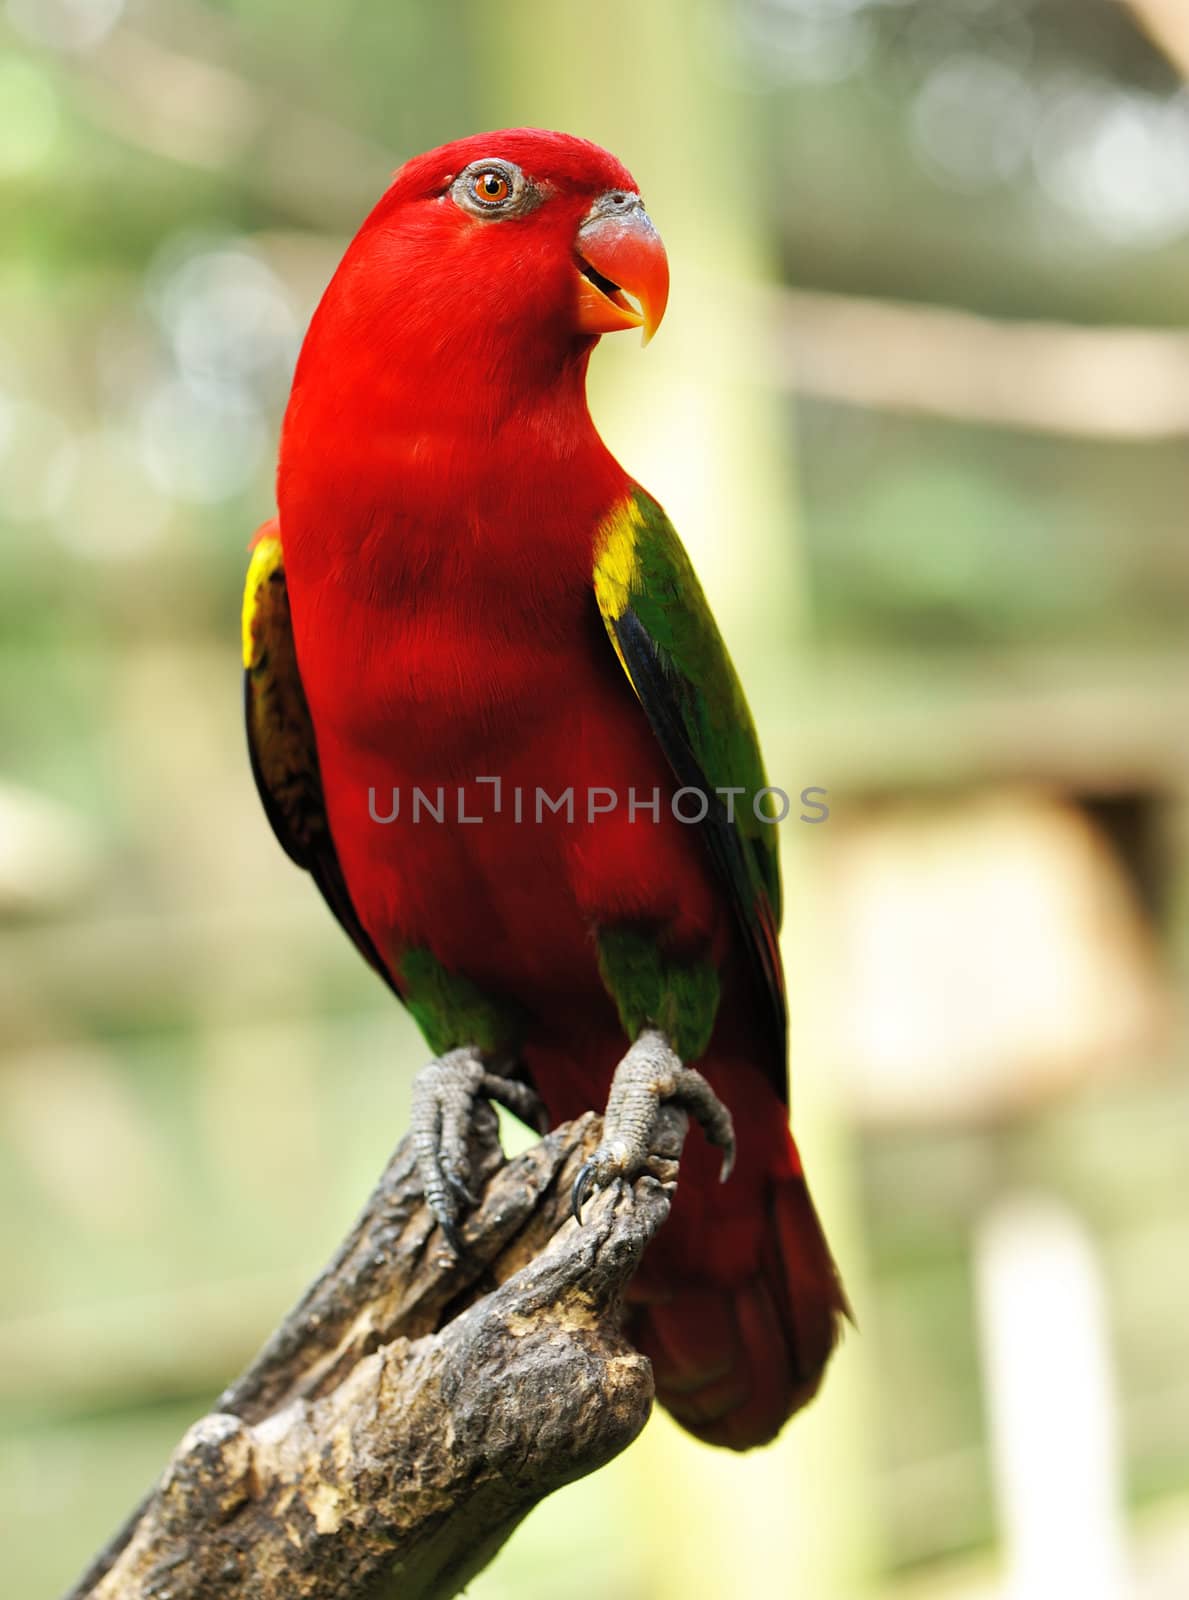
444	1096
649	1076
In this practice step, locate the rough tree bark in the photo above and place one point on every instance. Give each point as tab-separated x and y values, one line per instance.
414	1406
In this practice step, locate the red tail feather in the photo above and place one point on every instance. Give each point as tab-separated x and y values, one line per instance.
733	1360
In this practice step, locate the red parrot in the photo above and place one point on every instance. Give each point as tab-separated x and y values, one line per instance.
490	712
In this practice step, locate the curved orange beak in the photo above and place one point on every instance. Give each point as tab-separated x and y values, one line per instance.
619	259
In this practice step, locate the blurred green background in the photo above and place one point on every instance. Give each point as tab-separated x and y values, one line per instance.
920	408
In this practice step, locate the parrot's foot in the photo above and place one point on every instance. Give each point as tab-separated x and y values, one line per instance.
444	1096
649	1076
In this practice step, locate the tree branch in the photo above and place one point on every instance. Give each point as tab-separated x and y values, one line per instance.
414	1406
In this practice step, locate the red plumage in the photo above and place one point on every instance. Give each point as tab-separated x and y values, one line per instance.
440	488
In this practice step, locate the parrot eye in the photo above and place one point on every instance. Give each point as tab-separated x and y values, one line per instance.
493	188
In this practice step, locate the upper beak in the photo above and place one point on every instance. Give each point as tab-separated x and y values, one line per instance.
619	254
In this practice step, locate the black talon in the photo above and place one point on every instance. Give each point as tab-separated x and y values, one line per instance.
578	1192
452	1236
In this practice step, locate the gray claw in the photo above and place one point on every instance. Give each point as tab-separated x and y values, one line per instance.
519	1099
651	1074
444	1095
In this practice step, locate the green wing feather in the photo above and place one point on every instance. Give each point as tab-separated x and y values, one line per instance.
665	635
281	738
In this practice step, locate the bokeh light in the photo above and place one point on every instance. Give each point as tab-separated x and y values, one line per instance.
65	24
29	117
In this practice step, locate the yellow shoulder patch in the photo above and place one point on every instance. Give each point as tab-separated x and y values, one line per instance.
615	567
280	732
615	559
267	560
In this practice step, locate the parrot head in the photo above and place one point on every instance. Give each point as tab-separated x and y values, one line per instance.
523	239
466	307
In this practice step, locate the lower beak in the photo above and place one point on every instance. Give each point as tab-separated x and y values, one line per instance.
620	260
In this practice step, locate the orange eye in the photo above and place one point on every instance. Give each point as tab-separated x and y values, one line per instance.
491	187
